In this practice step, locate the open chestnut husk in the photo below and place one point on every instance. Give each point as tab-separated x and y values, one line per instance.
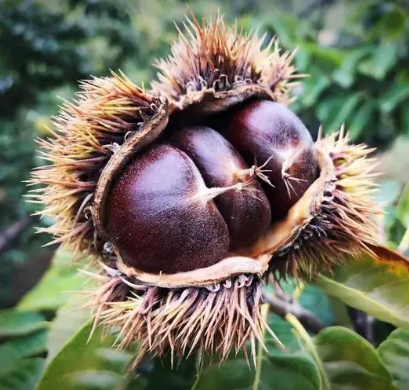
189	194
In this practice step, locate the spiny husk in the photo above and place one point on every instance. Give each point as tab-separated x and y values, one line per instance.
94	132
213	56
86	134
215	319
344	225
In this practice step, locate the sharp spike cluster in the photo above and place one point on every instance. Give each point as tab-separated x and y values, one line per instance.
213	56
215	319
105	111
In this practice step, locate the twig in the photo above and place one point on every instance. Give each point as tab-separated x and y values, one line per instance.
283	306
14	231
362	323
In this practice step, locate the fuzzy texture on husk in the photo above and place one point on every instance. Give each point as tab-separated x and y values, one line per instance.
213	56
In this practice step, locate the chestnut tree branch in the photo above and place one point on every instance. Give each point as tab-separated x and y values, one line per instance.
281	304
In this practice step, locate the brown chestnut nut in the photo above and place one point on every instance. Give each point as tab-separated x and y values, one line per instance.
246	210
159	217
273	137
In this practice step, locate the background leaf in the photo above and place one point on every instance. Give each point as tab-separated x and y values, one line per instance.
351	362
377	286
15	322
23	375
15	349
289	372
57	285
394	352
85	365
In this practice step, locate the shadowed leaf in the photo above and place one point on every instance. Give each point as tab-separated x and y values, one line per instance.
15	322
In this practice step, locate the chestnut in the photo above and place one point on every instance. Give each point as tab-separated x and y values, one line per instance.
157	218
273	137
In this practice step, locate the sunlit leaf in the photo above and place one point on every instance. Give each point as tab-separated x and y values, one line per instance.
57	285
350	361
68	320
402	209
83	365
378	286
394	352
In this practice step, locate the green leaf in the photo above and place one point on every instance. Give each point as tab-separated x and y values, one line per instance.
22	347
15	322
393	96
57	285
68	320
23	375
350	362
333	112
361	119
313	88
234	374
378	286
402	208
283	331
291	372
92	365
286	27
404	120
285	372
328	57
384	58
393	24
394	352
345	74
